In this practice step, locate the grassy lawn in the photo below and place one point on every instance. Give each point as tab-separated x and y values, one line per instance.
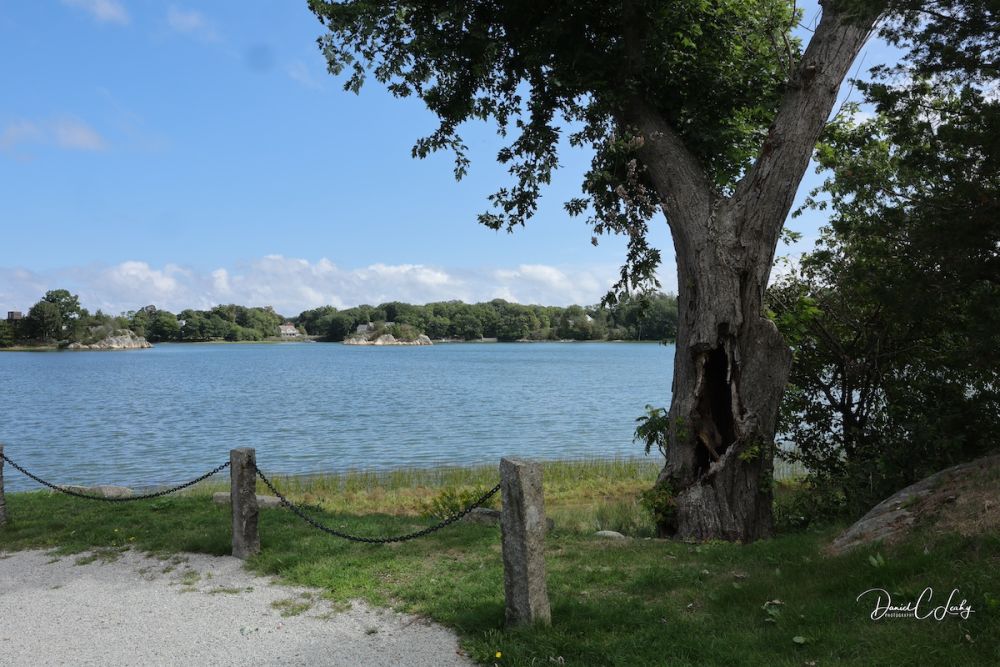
633	602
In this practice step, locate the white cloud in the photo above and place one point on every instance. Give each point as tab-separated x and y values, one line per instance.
65	132
105	11
19	132
292	285
298	71
76	135
191	22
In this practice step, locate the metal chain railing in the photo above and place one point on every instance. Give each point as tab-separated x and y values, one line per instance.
121	499
295	509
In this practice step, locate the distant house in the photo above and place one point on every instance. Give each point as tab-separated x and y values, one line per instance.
288	331
14	315
364	328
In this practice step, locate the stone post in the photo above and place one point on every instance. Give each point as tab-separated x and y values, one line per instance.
522	530
243	494
3	502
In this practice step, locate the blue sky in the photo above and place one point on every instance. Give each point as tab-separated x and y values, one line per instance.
196	153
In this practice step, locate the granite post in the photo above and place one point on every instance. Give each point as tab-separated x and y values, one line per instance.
3	502
243	494
522	530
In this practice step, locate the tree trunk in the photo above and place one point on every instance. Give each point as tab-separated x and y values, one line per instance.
731	364
730	369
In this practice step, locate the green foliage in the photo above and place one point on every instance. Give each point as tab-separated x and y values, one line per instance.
713	70
653	429
44	321
627	516
661	503
163	327
229	322
338	326
7	334
893	317
650	316
451	501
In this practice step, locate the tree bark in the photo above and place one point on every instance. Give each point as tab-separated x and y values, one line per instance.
731	364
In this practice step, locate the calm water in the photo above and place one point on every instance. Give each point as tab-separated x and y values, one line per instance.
164	415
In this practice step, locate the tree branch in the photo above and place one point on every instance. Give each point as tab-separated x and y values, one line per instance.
679	178
769	187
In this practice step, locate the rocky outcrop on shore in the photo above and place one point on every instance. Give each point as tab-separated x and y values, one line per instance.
119	340
388	339
962	499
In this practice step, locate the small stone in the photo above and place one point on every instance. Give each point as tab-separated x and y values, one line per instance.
609	534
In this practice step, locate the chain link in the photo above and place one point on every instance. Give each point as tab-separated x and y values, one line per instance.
375	540
124	499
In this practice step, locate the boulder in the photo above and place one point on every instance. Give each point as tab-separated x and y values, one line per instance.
956	499
222	498
103	491
609	535
490	517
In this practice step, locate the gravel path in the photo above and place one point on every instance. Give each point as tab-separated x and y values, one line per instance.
192	610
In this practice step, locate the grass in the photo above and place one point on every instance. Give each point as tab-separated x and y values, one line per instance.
624	602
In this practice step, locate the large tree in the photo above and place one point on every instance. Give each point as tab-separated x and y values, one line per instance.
706	110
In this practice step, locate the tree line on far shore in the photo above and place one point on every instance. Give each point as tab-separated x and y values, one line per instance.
648	317
58	317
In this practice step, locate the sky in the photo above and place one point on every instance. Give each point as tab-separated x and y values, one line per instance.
191	154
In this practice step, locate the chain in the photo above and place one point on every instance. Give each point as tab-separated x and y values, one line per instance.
375	540
126	499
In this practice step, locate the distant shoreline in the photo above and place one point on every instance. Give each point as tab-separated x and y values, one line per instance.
312	339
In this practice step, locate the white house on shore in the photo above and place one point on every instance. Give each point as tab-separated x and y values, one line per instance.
288	331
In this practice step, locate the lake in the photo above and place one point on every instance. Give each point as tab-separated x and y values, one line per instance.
165	415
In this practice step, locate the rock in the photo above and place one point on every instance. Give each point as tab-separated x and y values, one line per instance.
491	517
952	498
122	339
387	339
484	516
609	535
222	498
103	491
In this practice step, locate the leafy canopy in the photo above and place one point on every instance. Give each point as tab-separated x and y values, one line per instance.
542	71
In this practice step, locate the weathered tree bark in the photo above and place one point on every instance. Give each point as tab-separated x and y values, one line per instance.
731	364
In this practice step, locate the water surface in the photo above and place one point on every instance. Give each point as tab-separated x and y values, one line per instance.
149	417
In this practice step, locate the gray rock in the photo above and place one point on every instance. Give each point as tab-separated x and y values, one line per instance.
491	517
609	535
483	515
892	518
122	339
223	498
103	491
